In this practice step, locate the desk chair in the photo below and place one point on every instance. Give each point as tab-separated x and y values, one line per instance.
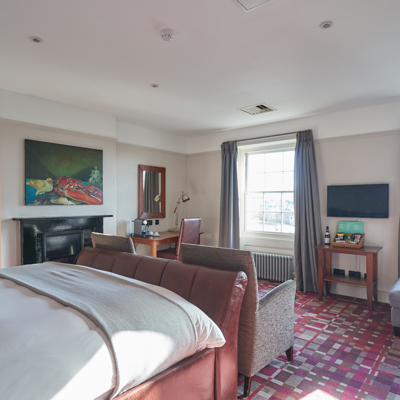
111	242
189	233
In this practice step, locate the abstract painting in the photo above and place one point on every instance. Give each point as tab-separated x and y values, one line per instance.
56	174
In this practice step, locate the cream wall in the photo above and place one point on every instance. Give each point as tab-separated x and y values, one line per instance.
120	165
371	158
29	117
13	135
362	160
204	187
128	159
372	119
35	110
128	133
1	167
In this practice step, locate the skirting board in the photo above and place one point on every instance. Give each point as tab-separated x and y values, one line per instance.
356	291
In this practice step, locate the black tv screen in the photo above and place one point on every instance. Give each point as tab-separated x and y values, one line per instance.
359	201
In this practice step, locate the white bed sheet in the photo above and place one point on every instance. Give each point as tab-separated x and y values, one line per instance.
30	324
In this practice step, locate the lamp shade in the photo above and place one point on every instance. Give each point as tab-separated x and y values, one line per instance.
185	197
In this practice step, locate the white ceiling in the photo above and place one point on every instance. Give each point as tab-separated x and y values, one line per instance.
104	54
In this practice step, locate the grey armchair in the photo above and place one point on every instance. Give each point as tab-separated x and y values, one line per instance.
111	242
266	326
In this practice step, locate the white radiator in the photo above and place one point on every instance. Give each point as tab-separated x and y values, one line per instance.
274	267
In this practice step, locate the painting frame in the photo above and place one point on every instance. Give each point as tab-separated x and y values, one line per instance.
60	174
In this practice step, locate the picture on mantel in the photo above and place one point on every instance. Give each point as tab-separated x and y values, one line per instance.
57	174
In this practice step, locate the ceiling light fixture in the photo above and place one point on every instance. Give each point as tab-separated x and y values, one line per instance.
167	34
326	24
36	39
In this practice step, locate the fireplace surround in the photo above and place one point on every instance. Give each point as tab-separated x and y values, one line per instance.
56	238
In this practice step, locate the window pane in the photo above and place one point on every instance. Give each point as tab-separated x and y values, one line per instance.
288	161
273	162
254	221
288	223
254	202
268	175
272	222
287	202
255	163
273	202
273	182
288	181
255	182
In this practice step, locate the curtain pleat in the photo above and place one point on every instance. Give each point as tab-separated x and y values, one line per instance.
308	232
229	230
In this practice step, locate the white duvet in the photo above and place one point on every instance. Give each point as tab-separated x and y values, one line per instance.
37	334
50	351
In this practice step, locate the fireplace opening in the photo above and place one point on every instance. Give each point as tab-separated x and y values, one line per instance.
58	245
57	238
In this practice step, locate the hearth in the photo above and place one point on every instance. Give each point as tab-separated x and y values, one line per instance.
57	238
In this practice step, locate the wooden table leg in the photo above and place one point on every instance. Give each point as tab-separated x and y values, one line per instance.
320	273
153	249
375	282
328	263
370	280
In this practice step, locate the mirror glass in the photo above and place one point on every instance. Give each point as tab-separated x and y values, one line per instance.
151	192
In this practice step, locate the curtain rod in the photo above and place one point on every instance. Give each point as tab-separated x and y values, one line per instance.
260	137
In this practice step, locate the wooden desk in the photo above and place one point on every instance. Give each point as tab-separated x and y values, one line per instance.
154	241
325	273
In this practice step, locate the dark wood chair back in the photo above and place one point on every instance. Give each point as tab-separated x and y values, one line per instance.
189	233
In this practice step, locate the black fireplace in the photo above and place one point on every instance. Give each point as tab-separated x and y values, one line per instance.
56	238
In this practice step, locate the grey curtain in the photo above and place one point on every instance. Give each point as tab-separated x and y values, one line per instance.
308	231
229	231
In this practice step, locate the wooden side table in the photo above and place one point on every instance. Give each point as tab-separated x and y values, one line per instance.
325	272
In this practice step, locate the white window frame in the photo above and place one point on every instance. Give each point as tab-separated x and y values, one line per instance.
261	241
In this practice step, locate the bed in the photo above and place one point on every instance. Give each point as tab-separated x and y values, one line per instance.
62	340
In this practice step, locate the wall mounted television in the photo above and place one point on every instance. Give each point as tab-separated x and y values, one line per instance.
359	201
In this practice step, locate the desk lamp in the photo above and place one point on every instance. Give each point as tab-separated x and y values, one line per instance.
184	197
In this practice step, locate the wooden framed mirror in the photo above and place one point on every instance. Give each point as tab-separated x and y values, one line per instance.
151	192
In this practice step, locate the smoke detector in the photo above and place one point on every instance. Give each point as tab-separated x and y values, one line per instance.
250	5
167	34
326	24
258	109
36	39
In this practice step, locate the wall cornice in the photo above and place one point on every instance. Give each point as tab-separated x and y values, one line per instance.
29	125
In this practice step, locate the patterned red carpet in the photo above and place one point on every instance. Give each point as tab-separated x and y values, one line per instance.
341	351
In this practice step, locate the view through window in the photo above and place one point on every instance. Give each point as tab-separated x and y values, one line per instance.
269	203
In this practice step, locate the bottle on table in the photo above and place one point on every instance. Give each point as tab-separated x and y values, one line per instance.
327	236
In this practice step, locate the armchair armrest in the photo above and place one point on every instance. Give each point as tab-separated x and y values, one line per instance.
284	292
274	325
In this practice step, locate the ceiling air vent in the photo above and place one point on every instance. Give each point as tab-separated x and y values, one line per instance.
259	109
250	5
